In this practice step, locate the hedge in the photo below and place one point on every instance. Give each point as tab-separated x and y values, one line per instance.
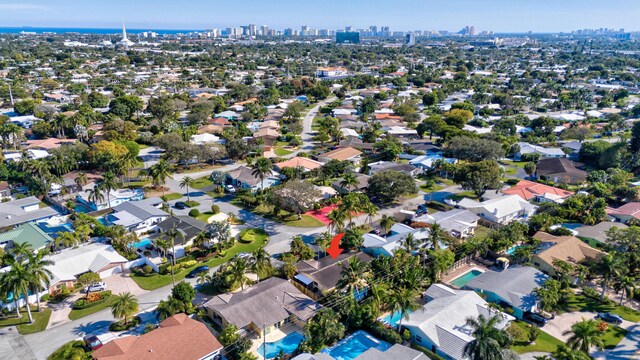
83	304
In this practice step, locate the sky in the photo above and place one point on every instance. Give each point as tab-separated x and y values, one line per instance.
401	15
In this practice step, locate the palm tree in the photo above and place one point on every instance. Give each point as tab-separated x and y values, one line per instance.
627	286
173	235
109	182
336	220
128	162
237	270
260	169
609	267
379	293
386	222
262	262
203	278
160	172
39	275
74	350
169	307
354	276
403	300
95	195
17	281
81	180
584	335
66	239
21	250
348	181
488	342
162	245
409	243
436	235
371	210
124	306
187	182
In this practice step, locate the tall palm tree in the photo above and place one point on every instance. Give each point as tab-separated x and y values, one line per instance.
371	210
626	286
349	180
39	275
172	235
386	222
260	169
262	262
187	182
109	182
17	281
124	306
609	267
129	161
403	300
436	235
584	335
409	243
488	342
354	276
21	250
336	220
237	270
379	293
95	195
160	172
81	180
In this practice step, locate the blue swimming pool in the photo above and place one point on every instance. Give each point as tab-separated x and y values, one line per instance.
464	279
393	318
141	244
510	251
354	345
52	230
286	345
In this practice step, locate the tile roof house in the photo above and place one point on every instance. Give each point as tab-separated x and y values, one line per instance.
24	210
49	144
26	233
457	222
243	177
305	163
95	257
269	303
177	337
440	325
187	226
560	171
5	190
356	144
316	278
529	190
512	286
501	210
341	154
569	249
625	212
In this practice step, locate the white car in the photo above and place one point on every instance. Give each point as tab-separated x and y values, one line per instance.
99	286
230	188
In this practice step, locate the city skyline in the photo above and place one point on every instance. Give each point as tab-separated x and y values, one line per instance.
409	15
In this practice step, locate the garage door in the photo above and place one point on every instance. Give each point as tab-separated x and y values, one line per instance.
109	272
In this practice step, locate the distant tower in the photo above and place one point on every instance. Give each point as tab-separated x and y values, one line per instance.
125	41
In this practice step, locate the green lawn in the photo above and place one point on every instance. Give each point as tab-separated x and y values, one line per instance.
204	217
251	235
434	188
306	221
202	182
77	314
464	194
282	151
519	164
544	342
136	184
156	281
582	303
191	204
40	320
171	196
482	231
613	336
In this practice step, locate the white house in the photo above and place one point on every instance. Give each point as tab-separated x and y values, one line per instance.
501	210
459	223
441	324
114	198
526	148
206	138
138	216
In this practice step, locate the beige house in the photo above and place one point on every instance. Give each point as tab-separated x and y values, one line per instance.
569	249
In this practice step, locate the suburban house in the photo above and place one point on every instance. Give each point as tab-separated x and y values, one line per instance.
569	249
24	210
408	169
427	162
177	337
529	190
243	177
185	225
376	245
397	351
71	263
363	184
113	198
356	144
402	132
501	210
457	222
341	154
299	162
317	278
625	212
25	233
598	232
530	149
512	287
204	139
267	304
5	190
560	171
49	143
141	216
69	181
440	325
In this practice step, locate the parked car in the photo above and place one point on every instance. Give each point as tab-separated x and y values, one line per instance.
99	286
193	273
422	209
92	342
610	318
229	188
223	161
181	205
535	318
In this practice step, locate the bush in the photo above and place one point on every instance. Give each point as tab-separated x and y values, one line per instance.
590	293
430	354
215	209
147	269
84	303
384	333
194	212
120	326
45	297
516	333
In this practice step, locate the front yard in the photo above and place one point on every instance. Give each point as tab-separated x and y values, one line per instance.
582	303
155	281
202	182
40	320
77	314
544	342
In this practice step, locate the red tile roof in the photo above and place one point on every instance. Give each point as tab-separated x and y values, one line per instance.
529	190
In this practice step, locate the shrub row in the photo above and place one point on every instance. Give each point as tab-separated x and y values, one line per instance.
84	303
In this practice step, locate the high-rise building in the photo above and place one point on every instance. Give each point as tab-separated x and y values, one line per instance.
472	31
374	30
410	39
253	30
264	30
347	37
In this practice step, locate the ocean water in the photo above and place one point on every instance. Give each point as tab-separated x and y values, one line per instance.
99	31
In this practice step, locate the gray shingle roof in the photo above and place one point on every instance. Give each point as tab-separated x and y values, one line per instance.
514	285
13	213
397	351
143	209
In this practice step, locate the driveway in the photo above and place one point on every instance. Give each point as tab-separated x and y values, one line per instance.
121	283
628	348
563	322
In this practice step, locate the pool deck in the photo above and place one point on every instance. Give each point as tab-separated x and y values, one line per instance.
273	336
456	273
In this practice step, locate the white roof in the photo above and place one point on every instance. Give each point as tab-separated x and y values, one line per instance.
500	206
348	132
90	257
400	130
526	148
205	138
477	130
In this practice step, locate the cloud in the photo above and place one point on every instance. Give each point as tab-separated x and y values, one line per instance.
23	7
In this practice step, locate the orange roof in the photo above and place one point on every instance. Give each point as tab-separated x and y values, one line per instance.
342	153
388	117
219	121
178	337
306	163
529	190
50	143
248	101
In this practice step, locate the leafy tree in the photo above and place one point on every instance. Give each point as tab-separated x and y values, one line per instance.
474	149
322	330
300	250
218	231
389	149
296	196
443	259
24	107
479	177
87	279
457	117
388	185
530	168
184	292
